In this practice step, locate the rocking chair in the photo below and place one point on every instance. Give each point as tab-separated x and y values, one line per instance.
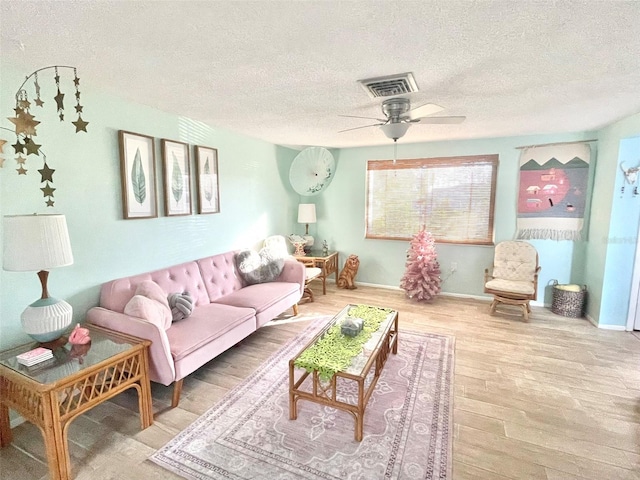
514	277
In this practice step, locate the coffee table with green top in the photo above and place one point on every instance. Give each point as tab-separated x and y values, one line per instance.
330	356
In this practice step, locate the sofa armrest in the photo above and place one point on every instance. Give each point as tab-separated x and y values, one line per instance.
161	368
293	272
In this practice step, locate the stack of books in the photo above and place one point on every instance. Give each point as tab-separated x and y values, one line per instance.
34	356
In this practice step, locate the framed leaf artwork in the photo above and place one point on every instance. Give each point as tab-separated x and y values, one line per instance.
138	172
177	178
207	180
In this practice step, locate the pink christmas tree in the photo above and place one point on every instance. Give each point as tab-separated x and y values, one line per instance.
421	279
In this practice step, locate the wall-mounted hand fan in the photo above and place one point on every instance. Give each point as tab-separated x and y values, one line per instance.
312	170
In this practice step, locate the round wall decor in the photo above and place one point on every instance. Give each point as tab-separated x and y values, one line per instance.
312	170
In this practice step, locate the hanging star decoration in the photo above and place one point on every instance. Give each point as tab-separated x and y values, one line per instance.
38	100
81	125
25	124
46	173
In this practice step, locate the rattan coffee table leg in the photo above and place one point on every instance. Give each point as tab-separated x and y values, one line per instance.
396	339
293	409
359	414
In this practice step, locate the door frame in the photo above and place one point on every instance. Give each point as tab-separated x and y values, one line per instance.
633	317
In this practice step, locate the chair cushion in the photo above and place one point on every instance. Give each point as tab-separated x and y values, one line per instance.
510	286
311	273
515	260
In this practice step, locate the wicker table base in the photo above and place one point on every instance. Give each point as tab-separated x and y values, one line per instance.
326	393
52	396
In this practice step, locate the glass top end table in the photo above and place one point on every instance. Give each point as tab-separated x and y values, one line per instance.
53	393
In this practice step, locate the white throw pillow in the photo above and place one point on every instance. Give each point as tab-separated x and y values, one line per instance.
153	291
150	310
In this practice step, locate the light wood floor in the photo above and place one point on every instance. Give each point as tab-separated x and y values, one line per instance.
555	398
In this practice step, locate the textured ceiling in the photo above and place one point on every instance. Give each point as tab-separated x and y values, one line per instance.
284	71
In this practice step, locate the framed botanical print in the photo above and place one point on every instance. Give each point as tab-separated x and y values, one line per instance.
177	178
207	180
138	172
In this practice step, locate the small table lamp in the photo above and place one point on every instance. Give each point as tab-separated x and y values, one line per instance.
307	215
37	243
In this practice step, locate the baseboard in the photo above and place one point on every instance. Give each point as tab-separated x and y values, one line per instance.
444	294
617	328
465	295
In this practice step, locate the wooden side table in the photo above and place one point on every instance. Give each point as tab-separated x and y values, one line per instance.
327	263
55	392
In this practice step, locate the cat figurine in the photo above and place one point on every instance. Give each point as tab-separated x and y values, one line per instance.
348	273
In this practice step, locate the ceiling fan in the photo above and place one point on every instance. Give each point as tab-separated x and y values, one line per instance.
399	117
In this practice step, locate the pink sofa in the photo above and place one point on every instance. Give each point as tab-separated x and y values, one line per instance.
225	311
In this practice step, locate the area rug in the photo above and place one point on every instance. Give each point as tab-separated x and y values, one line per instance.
407	424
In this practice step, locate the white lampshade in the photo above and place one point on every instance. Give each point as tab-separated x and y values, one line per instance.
395	130
39	243
36	242
307	213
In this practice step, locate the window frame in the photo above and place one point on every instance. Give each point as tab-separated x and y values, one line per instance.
415	163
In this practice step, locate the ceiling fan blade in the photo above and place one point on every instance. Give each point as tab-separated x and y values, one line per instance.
440	120
367	118
364	126
424	110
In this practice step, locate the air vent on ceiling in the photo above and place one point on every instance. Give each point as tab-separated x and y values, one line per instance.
389	85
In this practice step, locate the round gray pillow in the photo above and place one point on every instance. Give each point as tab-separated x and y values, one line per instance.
181	305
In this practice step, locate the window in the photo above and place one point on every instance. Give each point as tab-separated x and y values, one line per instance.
452	196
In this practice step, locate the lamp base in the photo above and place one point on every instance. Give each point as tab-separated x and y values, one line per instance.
47	319
299	246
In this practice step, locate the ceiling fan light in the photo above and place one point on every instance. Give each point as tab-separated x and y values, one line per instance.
395	130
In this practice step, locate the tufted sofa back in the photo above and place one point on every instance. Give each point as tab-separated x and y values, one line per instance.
185	277
219	275
515	260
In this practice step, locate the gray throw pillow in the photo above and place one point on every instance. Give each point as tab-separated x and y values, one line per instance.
258	267
181	305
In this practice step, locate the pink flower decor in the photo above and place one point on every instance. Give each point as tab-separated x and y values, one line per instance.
79	336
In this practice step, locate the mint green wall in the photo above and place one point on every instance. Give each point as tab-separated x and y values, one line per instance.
614	225
382	261
256	200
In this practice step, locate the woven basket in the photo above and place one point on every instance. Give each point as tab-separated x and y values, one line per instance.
568	300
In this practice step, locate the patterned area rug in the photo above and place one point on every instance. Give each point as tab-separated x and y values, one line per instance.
407	424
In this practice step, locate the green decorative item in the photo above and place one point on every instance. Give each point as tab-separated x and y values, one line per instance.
138	181
177	186
207	182
334	351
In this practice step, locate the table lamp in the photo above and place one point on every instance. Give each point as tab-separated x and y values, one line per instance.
37	243
307	215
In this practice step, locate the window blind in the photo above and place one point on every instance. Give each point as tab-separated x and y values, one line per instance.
453	196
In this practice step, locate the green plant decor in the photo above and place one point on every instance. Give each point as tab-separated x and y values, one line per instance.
334	351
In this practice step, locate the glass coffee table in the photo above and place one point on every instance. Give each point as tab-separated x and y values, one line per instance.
319	377
78	377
